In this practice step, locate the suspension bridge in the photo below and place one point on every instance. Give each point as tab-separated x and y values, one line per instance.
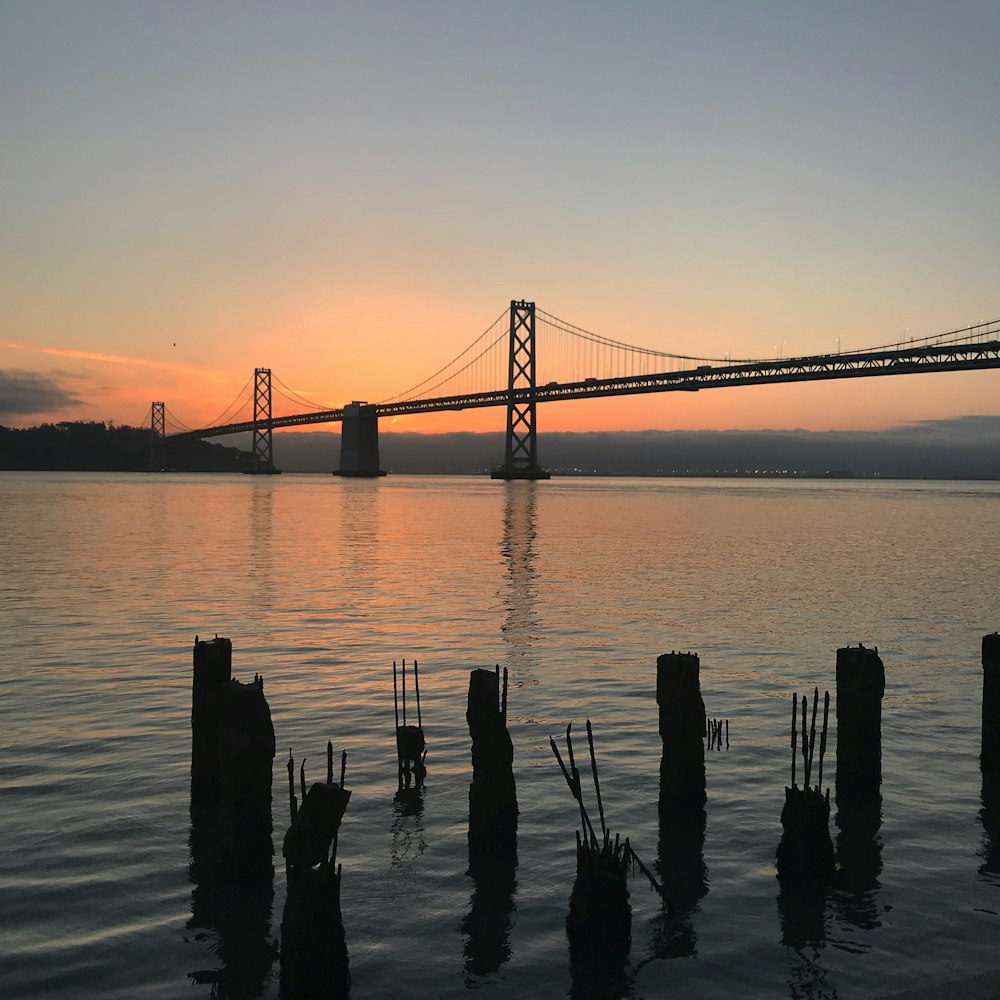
527	357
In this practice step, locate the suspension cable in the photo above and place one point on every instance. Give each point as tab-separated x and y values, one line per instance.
430	378
217	422
310	403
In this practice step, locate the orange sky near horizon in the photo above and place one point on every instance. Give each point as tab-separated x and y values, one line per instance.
351	195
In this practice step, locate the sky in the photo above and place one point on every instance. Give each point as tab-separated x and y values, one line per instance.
349	194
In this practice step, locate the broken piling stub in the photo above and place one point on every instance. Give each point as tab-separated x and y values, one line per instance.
860	687
232	749
411	747
599	911
682	730
314	961
805	853
493	791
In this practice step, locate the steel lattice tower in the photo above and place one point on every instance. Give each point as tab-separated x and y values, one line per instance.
157	433
263	450
521	452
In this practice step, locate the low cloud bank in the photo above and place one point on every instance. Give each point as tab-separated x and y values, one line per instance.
965	447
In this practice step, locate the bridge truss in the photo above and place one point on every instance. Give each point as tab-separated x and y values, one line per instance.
970	348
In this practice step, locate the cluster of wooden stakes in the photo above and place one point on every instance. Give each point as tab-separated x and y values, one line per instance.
233	750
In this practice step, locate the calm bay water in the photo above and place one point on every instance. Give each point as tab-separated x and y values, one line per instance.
576	586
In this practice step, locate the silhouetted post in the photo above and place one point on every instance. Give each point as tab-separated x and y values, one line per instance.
232	749
411	747
314	960
246	745
493	792
213	666
682	730
805	853
860	687
990	757
600	916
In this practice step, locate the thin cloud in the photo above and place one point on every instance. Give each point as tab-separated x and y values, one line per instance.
25	393
113	359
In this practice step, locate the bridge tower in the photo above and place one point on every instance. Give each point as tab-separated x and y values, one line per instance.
157	433
263	449
359	442
521	452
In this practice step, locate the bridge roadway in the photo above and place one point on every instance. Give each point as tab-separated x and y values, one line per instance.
865	364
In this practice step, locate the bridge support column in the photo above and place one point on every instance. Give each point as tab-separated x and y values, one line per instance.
521	452
359	442
263	446
157	433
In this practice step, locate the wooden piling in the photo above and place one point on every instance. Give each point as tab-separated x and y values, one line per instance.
805	852
990	755
411	747
232	751
860	687
314	960
493	793
682	728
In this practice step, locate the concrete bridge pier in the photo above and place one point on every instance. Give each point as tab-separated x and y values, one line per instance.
359	441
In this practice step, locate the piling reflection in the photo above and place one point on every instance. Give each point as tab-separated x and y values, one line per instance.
802	918
487	926
599	973
989	817
408	841
682	871
518	549
859	862
233	916
808	979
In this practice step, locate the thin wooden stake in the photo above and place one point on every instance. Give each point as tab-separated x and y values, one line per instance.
404	690
597	783
795	732
395	693
805	744
822	739
656	885
329	762
812	732
343	767
416	684
293	805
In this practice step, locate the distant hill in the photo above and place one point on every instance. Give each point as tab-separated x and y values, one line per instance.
77	446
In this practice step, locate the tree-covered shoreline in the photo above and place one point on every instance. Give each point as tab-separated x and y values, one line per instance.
93	446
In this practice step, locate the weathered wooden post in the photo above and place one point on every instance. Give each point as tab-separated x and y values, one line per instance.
314	960
682	730
989	758
990	755
493	791
860	687
600	915
213	666
805	853
411	747
232	750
